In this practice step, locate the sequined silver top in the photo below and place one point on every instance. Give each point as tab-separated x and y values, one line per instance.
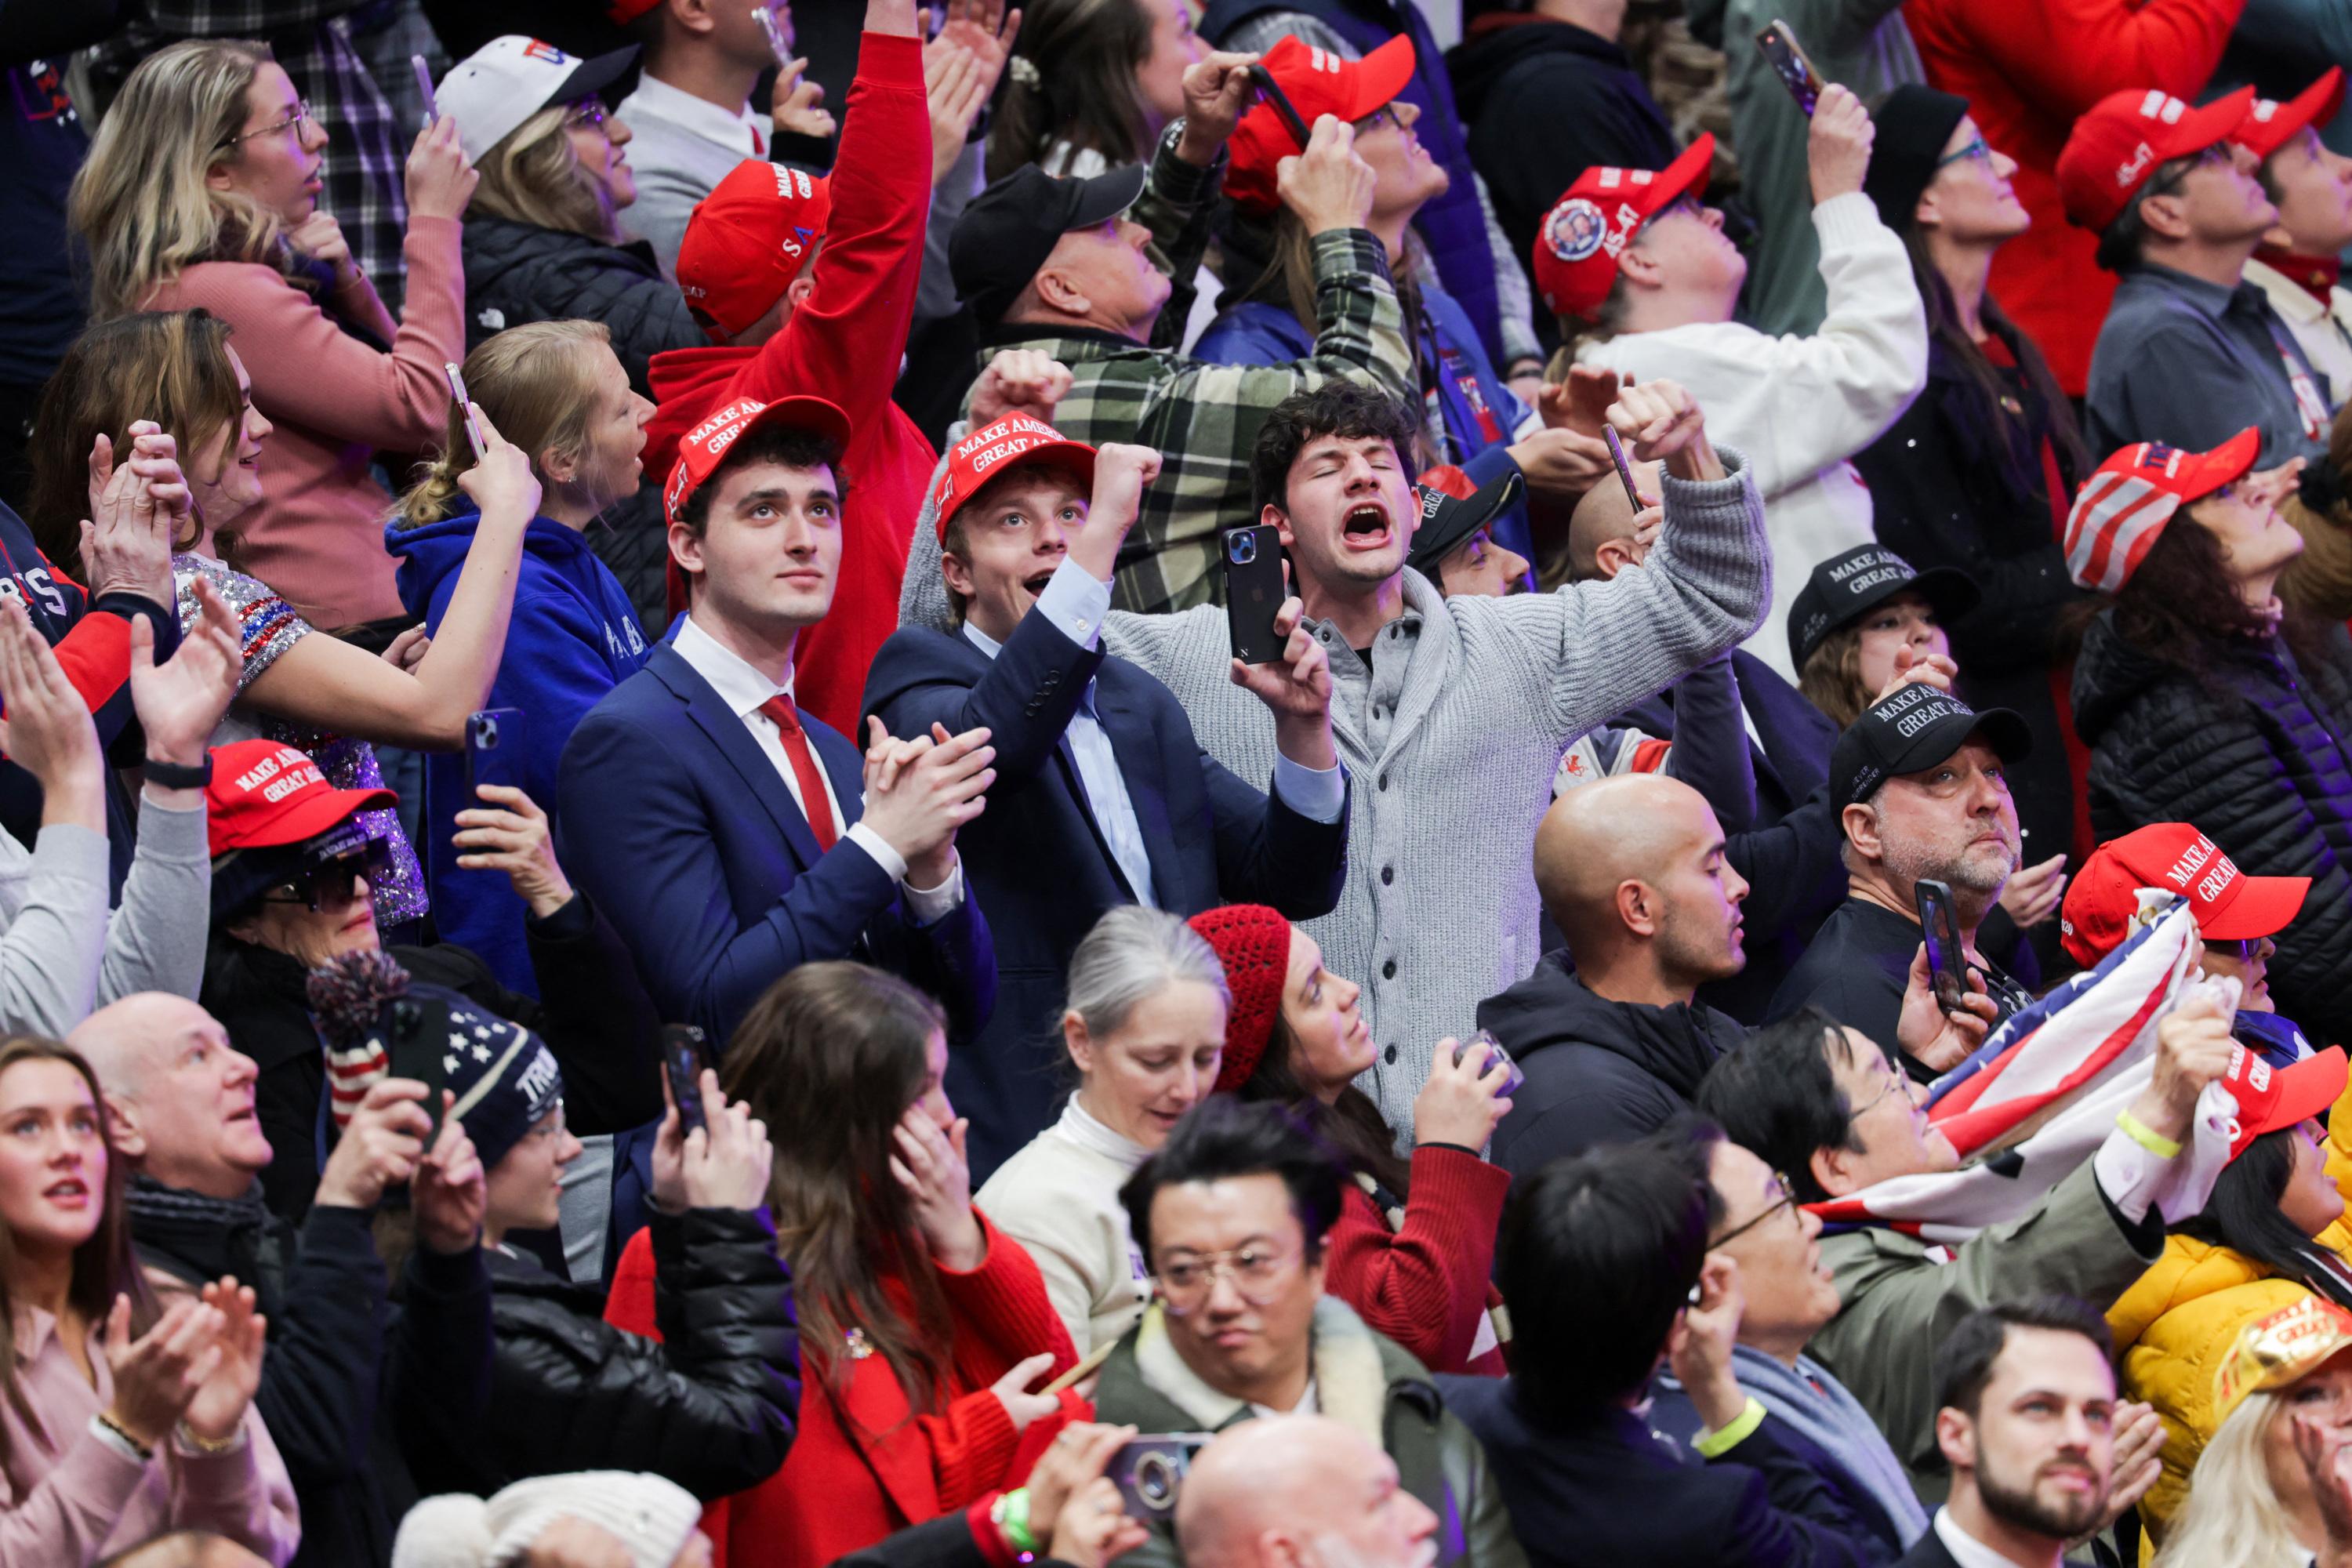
270	627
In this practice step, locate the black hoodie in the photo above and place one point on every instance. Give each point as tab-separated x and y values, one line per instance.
1597	1071
1546	100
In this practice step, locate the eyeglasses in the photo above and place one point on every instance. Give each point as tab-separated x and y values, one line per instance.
588	112
1787	1200
1978	148
300	116
1387	111
1894	1081
329	882
1185	1281
2170	176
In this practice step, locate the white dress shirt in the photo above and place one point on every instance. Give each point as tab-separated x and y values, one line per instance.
1076	601
1966	1549
741	133
744	689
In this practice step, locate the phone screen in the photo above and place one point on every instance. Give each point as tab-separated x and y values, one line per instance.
1946	964
1788	60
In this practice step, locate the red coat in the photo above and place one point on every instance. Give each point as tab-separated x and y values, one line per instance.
2028	69
843	343
842	1489
1425	1284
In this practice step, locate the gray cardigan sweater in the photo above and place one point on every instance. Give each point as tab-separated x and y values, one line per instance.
1452	736
63	954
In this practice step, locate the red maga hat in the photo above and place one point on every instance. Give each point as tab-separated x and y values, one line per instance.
2117	143
2229	906
1580	240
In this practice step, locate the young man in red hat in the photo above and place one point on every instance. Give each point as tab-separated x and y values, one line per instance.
1108	798
1646	285
2188	351
2300	259
728	835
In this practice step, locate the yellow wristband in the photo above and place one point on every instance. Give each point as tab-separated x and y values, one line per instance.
1715	1444
2139	1131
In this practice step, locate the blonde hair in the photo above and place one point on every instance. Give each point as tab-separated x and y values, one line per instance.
1831	678
2233	1518
140	203
538	385
534	176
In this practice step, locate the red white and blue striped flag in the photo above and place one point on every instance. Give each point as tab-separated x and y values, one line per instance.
2040	1096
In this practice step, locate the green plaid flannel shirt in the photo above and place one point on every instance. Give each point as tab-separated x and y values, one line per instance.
1203	418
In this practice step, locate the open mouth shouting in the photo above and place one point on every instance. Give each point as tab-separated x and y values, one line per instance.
1365	526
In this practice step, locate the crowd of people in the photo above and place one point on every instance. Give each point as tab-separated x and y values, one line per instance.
1230	791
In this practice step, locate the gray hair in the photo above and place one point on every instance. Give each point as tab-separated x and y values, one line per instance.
1134	953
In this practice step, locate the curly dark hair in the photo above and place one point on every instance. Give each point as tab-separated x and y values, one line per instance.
1346	409
2182	607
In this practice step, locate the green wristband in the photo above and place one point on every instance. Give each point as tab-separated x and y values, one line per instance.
1012	1519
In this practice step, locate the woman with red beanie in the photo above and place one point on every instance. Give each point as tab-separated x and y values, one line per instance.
1414	1248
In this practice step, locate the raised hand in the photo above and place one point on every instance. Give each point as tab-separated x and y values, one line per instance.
1329	185
1561	462
501	484
1942	1040
450	1191
48	730
128	547
441	179
1913	668
727	1159
1581	402
1012	1388
380	1147
1079	1454
1216	95
1458	1104
2032	894
929	1166
918	809
2193	1045
1837	144
156	1375
218	1407
1122	473
1699	1347
1094	1527
1019	381
2139	1447
1296	688
511	834
797	106
179	701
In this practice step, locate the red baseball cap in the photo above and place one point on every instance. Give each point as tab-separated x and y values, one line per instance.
623	12
2229	906
2271	1099
748	238
1588	228
1318	82
2117	143
1010	443
706	445
2127	502
265	794
2269	124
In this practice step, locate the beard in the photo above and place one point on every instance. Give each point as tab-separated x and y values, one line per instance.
1979	870
1694	952
2025	1509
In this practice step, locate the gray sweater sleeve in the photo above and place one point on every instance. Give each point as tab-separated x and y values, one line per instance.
935	294
53	901
923	592
155	942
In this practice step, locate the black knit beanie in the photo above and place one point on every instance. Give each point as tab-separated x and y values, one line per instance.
1914	124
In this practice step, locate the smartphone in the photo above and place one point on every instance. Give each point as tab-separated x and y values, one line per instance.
465	404
1512	1077
683	1058
424	85
1270	91
1251	559
1946	964
418	1056
1624	468
1787	58
494	752
775	35
1149	1472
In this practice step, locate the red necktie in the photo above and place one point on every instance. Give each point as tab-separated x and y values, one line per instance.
816	805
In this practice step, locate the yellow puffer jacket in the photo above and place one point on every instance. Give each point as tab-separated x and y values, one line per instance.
2174	1328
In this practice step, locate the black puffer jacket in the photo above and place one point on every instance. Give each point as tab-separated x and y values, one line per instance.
517	272
2256	756
710	1405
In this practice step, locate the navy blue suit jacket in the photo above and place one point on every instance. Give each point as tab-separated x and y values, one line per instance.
680	828
1038	859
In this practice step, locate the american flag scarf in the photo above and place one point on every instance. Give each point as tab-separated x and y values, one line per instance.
2041	1095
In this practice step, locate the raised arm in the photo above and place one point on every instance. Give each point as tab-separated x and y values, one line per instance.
2066	55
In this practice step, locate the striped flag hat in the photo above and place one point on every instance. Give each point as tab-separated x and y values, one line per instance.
2125	504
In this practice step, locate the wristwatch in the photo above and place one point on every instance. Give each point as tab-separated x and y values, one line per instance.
175	775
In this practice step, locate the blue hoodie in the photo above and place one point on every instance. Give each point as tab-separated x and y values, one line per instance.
574	638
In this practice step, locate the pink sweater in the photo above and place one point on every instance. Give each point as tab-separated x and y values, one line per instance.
67	1498
317	535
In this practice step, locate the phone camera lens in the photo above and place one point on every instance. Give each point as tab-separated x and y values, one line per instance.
488	732
1155	1480
1241	548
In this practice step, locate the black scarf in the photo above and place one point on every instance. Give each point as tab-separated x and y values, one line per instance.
200	1238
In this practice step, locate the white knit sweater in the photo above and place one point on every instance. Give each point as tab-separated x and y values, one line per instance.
1450	743
1801	407
1059	1198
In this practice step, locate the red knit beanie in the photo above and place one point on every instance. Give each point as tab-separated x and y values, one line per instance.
1252	942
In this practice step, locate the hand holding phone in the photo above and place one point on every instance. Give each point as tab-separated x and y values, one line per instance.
1787	58
684	1056
1948	963
457	393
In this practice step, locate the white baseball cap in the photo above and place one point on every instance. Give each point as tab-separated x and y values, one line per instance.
494	90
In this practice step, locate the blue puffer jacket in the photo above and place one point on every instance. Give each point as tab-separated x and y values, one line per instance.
573	637
1477	411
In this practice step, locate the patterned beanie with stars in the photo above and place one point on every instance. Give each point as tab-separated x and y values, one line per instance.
371	1015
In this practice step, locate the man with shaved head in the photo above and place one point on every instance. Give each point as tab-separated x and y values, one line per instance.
1300	1491
1609	1030
179	1101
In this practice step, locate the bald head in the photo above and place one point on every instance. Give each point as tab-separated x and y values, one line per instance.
124	1040
1604	516
1299	1491
1630	868
180	1098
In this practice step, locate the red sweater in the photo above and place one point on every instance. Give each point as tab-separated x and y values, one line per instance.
317	536
2028	69
845	1485
843	343
1427	1284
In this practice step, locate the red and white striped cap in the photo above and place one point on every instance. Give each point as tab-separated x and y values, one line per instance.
2125	504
